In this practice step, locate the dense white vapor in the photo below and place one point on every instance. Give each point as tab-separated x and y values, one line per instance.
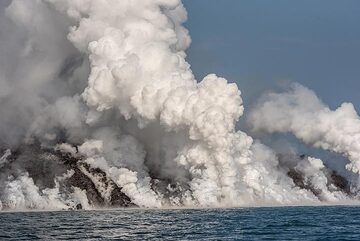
22	193
315	176
107	82
137	67
302	113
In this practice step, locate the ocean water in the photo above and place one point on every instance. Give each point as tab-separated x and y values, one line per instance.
279	223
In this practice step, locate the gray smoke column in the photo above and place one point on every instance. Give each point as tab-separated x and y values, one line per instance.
301	112
106	82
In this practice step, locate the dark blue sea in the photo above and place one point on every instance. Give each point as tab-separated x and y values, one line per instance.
279	223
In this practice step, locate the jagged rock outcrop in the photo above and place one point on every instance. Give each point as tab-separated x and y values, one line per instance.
310	174
45	164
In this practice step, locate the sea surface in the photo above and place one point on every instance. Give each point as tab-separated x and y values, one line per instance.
275	223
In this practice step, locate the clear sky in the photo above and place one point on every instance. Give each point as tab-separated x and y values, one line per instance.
259	43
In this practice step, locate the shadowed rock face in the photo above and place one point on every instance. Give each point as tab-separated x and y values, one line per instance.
340	182
333	179
299	181
83	179
43	165
302	179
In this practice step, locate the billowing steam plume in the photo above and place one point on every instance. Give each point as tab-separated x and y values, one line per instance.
100	108
302	113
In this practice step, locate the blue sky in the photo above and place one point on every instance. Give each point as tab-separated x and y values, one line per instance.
261	43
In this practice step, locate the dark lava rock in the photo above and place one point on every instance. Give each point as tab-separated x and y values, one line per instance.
78	207
340	182
299	181
116	198
44	164
333	179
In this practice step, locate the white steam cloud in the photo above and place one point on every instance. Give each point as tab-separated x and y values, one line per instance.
106	81
301	112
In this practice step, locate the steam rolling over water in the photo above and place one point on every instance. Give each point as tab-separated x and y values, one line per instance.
99	108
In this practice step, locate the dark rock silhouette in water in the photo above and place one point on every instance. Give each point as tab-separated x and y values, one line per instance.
299	180
333	180
45	164
340	182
